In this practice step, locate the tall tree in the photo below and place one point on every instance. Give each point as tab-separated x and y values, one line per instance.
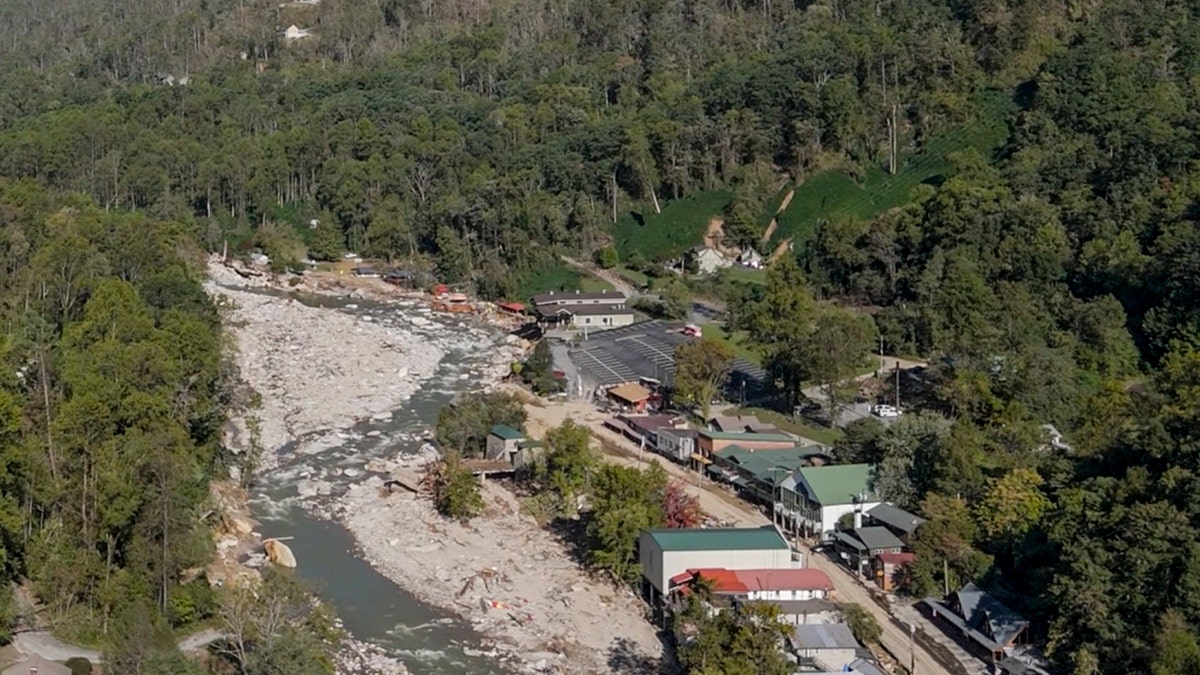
702	368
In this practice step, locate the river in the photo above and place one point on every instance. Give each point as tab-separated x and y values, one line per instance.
374	609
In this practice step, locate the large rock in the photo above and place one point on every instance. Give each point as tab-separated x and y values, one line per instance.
279	553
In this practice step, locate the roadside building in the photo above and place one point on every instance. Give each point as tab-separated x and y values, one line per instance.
367	272
900	522
860	545
709	441
578	298
586	317
677	444
801	594
888	569
666	553
743	424
813	499
989	625
757	472
503	442
630	396
645	429
830	646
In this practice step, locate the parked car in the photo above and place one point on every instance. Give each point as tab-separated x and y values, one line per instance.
884	410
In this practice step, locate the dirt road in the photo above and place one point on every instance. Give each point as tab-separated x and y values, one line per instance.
611	278
721	505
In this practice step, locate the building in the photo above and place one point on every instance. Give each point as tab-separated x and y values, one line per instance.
709	441
900	522
631	396
829	646
503	442
814	498
678	444
402	278
705	260
750	258
888	569
294	32
527	454
36	665
586	317
983	620
578	298
757	472
861	544
804	583
367	272
666	553
859	666
645	429
740	423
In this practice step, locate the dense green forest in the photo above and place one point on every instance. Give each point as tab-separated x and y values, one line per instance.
1053	281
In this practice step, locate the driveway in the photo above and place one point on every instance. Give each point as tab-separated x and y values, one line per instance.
45	645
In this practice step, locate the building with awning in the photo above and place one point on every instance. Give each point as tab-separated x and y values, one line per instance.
631	395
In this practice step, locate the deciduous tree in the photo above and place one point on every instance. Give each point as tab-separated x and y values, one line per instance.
702	368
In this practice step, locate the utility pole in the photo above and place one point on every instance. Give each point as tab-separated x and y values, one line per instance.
897	385
882	366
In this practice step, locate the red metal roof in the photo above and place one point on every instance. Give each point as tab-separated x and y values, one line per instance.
511	306
722	580
806	579
896	558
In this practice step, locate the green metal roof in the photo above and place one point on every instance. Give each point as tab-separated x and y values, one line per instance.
837	484
506	432
719	539
736	453
745	436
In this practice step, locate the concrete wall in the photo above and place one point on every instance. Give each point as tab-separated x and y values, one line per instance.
659	566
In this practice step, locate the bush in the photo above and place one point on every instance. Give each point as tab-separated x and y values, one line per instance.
607	257
79	665
455	492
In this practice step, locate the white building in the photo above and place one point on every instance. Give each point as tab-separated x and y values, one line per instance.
706	260
667	553
293	32
814	498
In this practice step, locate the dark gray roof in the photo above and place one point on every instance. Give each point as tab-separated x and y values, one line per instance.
869	538
896	518
565	297
878	537
979	608
647	349
983	618
823	636
865	667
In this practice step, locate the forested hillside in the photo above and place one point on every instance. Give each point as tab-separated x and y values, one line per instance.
1053	282
487	134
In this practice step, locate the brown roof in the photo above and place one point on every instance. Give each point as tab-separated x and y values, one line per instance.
630	393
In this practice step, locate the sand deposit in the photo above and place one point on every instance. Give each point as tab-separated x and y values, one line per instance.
506	575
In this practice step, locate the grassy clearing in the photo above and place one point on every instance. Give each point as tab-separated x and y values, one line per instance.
746	275
680	226
817	433
590	284
737	342
556	278
831	193
633	276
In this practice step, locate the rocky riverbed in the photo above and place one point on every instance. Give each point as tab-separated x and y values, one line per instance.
336	421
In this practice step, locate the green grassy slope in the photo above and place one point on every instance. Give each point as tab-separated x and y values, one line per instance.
680	226
832	193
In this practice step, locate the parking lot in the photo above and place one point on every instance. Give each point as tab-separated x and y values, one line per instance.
646	350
